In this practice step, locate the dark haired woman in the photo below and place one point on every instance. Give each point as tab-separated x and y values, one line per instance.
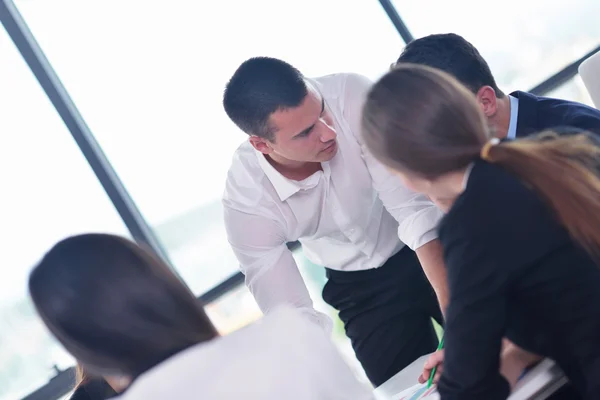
121	312
521	235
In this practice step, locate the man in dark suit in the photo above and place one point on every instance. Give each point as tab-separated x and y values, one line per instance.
515	115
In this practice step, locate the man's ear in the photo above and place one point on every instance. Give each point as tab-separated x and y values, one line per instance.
486	97
261	144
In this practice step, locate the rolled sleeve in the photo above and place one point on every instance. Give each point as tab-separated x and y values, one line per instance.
475	319
420	228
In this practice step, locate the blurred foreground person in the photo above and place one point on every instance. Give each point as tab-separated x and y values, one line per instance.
121	312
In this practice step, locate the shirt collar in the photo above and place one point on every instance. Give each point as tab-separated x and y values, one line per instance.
514	116
467	175
285	187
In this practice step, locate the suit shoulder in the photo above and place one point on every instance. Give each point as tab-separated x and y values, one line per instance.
568	114
492	200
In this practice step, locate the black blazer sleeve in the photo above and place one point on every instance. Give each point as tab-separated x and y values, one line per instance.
587	120
495	231
475	319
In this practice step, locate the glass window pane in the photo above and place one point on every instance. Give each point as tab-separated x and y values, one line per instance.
48	192
523	41
150	87
234	310
573	90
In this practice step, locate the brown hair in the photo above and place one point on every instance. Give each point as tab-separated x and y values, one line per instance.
116	307
420	120
81	377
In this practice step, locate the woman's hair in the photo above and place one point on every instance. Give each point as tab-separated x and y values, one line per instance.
116	307
422	121
81	376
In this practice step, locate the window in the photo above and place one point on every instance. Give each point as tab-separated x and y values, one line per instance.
149	77
234	310
573	90
48	192
523	41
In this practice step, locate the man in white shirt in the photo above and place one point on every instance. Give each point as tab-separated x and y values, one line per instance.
305	175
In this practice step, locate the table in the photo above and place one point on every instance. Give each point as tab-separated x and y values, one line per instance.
539	383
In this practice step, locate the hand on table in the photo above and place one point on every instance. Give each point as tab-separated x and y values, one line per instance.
436	359
513	361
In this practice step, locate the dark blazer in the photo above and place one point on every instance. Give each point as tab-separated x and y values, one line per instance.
94	389
539	113
513	271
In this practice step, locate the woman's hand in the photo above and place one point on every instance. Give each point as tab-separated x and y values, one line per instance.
514	360
435	360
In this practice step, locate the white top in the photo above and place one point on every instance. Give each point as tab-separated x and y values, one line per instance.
514	117
337	214
282	356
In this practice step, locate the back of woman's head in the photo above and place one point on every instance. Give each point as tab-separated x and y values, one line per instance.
421	121
116	307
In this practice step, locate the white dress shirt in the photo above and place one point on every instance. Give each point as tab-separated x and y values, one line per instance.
281	356
352	215
514	117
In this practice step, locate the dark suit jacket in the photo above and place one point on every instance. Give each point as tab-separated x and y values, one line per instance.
540	113
514	271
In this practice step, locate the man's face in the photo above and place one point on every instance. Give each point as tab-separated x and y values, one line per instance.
302	134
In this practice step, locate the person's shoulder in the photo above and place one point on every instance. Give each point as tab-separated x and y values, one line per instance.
492	200
554	113
244	159
339	78
285	323
339	84
246	181
283	343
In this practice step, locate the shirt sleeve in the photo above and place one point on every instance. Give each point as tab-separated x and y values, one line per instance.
475	320
272	275
417	216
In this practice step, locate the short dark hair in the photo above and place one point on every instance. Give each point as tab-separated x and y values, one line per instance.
454	55
116	307
259	87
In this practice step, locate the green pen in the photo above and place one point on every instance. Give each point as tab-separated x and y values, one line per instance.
430	381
